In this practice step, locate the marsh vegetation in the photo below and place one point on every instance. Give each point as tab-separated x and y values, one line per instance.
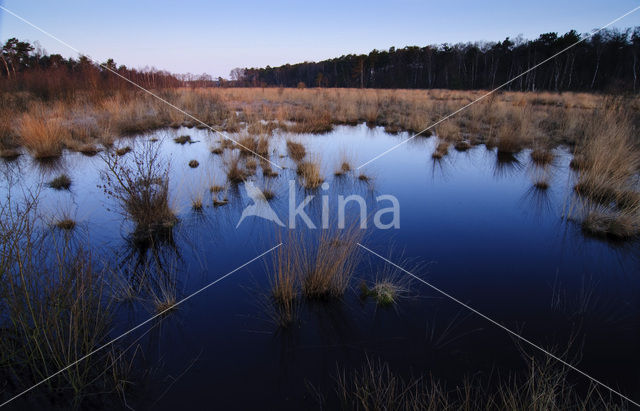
575	156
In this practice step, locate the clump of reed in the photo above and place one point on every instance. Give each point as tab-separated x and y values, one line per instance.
384	292
315	123
364	178
247	144
344	167
42	132
268	193
328	265
141	187
309	172
182	140
607	180
296	150
193	163
197	204
388	286
65	223
541	156
251	165
216	188
236	173
284	282
267	170
262	146
62	182
441	150
9	153
462	145
515	129
616	225
541	184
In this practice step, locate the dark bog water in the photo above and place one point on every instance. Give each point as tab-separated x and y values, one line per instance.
471	224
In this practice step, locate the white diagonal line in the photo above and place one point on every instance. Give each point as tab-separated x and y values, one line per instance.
501	86
138	326
224	135
513	333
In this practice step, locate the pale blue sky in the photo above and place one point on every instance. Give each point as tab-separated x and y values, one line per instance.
214	37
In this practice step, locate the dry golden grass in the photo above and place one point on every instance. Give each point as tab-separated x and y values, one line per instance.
296	150
42	132
441	150
608	162
310	175
285	280
511	119
541	156
236	173
328	267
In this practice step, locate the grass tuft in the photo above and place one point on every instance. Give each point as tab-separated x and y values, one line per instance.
296	150
309	172
62	182
441	150
182	140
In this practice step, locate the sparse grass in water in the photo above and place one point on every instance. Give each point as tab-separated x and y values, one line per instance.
182	140
196	204
544	386
62	182
284	282
234	169
309	172
462	145
541	184
604	223
65	223
141	187
296	150
344	168
328	266
541	156
441	150
385	292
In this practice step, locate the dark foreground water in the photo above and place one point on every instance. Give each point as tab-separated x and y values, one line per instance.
471	224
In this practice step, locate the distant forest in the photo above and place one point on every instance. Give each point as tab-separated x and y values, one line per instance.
607	61
26	67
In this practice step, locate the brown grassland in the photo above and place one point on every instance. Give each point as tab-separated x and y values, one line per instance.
601	130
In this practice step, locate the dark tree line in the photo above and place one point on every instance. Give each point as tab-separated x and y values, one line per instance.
606	61
23	67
